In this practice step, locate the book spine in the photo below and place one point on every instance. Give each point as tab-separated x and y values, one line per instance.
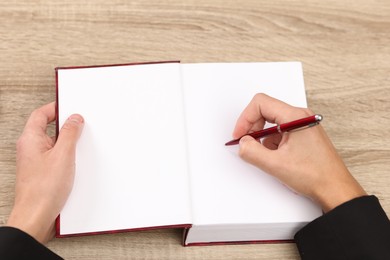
183	226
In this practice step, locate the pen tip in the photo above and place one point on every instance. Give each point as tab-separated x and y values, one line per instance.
232	142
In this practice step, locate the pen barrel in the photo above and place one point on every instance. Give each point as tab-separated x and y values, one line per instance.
297	124
300	123
265	132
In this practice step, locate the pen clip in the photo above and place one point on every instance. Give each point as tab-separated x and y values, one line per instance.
304	127
318	119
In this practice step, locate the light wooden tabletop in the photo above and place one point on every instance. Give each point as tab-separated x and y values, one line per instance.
344	47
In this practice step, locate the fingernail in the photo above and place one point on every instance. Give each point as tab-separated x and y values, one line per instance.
245	139
76	119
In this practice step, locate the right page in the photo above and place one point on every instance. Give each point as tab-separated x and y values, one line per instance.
232	200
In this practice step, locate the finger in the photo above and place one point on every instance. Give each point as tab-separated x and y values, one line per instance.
256	127
255	153
272	142
40	118
69	134
262	108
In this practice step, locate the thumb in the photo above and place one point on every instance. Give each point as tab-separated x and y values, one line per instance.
70	133
255	153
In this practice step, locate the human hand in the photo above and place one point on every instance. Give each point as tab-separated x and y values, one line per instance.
306	160
44	173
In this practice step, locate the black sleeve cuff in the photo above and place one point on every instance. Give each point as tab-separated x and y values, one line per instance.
16	244
357	229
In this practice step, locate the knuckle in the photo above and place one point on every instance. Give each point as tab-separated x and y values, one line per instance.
259	96
23	141
299	112
36	113
307	111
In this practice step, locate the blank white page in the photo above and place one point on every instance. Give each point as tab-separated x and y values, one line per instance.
225	189
131	165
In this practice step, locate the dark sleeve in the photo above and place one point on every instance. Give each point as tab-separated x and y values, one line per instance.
16	244
357	229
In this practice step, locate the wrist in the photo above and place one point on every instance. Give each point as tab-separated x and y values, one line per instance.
329	197
31	223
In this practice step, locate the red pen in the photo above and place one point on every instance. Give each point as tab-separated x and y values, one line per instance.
286	127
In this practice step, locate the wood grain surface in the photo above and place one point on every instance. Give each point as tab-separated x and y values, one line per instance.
344	47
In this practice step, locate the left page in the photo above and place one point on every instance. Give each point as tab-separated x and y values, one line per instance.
131	159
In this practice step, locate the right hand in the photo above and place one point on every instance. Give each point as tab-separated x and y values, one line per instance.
304	160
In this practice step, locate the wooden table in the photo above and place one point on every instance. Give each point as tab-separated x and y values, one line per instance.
344	47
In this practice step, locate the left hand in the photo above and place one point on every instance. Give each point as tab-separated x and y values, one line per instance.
44	173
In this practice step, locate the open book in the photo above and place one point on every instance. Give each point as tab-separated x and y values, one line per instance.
152	151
